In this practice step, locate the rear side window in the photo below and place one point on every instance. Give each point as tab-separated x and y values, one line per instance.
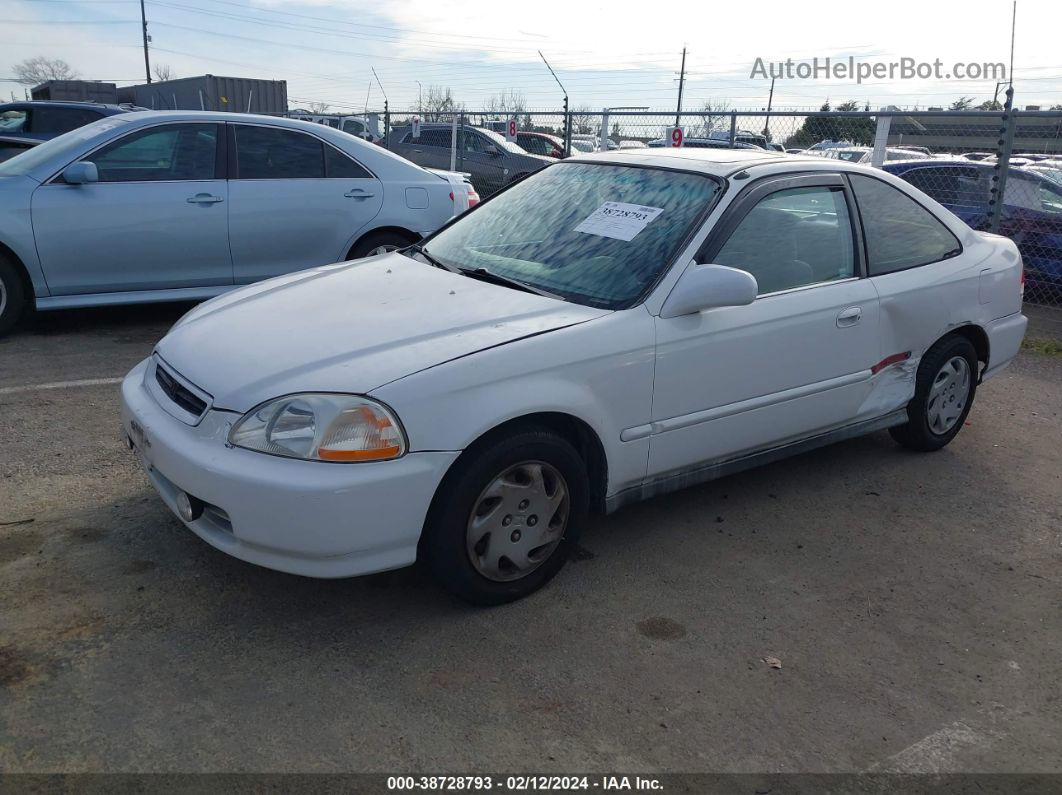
899	232
272	153
339	166
12	121
61	120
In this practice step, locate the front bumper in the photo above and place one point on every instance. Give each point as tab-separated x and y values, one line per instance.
305	517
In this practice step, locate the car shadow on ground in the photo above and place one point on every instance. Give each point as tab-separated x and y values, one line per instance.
104	319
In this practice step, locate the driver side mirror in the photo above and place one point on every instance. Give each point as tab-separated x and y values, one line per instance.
81	173
707	287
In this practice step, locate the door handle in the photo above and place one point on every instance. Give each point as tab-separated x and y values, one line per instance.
204	198
849	316
358	193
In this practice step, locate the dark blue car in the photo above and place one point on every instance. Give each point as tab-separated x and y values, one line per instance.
42	120
1031	216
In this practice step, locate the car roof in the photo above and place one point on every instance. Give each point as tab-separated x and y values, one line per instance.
718	162
52	103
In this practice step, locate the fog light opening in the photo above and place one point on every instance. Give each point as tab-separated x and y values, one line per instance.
188	507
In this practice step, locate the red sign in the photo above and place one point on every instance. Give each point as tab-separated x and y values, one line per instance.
510	130
676	136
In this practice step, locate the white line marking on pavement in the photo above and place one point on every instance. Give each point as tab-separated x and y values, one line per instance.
936	753
11	390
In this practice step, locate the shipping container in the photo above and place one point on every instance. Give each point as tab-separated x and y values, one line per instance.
211	92
76	91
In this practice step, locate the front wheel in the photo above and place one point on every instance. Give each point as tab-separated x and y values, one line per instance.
506	517
378	243
12	296
944	393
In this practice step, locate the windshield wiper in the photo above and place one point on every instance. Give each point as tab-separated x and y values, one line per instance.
485	275
419	249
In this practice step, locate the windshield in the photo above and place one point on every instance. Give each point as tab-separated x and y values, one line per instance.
851	155
66	144
594	234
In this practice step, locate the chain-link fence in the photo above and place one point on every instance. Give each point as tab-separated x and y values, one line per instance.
998	170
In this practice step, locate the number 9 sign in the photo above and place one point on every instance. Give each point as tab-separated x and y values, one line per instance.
676	136
510	130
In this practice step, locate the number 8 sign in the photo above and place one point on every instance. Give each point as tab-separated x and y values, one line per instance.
676	136
510	130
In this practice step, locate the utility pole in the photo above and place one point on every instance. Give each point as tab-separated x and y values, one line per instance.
567	116
767	118
143	25
420	98
682	79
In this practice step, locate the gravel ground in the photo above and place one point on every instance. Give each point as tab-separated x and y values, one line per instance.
913	601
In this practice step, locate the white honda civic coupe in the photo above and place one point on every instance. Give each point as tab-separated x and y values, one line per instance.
611	328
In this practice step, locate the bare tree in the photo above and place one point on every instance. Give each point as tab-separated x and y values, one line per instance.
583	120
318	108
509	102
164	72
962	103
713	116
439	101
34	71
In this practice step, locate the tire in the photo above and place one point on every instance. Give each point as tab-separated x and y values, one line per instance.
482	533
945	387
378	243
12	295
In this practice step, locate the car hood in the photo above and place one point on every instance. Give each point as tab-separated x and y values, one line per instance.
351	327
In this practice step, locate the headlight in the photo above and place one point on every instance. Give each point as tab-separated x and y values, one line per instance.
321	427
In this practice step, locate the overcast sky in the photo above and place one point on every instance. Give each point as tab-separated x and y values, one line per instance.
619	52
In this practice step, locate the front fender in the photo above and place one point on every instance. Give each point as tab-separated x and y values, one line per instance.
599	371
16	227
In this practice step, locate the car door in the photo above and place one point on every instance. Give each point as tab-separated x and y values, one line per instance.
485	160
155	220
296	201
795	362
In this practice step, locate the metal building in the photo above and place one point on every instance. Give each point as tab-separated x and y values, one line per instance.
76	91
210	92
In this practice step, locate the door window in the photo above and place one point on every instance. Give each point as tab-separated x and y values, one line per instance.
434	136
273	153
160	154
471	142
900	233
792	238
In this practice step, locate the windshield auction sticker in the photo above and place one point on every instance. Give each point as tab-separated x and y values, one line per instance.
618	220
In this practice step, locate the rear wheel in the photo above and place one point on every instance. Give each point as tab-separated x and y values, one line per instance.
505	519
379	243
944	393
12	295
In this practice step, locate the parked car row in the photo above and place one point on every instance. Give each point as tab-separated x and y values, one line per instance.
491	160
177	205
